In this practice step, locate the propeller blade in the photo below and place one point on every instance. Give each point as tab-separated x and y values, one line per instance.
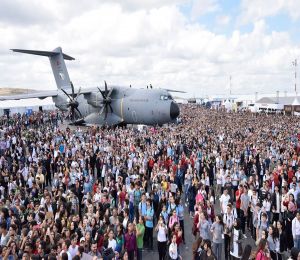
66	94
111	109
105	88
102	93
106	112
101	111
78	94
78	112
72	114
72	87
109	93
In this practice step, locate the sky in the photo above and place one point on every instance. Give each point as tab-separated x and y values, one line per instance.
190	45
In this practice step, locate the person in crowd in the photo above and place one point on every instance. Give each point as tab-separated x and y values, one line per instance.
140	232
217	230
204	226
130	243
245	203
149	225
282	237
295	253
162	233
263	251
228	220
274	243
237	236
65	191
296	230
208	253
173	250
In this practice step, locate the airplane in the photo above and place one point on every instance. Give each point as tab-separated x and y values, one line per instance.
111	106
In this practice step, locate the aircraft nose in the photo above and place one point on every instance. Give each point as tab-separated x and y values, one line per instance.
174	110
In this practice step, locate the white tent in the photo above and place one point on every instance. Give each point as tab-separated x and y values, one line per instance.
228	105
296	102
21	106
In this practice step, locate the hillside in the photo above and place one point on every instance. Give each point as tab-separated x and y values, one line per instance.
14	91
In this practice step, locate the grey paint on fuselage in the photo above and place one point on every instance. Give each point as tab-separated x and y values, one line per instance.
135	106
119	105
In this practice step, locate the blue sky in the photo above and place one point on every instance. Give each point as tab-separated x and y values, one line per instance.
281	21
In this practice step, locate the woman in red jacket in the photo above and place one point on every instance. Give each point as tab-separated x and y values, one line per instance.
263	252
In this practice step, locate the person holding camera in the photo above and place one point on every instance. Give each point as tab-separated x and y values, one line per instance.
162	239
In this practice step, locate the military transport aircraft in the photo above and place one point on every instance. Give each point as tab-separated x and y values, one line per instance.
111	106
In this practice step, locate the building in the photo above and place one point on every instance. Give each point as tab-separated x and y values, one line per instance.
277	104
26	105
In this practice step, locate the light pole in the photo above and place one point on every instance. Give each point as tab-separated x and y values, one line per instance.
230	85
295	65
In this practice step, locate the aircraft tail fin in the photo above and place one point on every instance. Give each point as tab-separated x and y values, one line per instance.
58	65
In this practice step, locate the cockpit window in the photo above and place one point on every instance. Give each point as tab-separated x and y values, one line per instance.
166	97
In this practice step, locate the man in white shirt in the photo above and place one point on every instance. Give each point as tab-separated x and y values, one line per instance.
296	230
224	200
73	248
228	220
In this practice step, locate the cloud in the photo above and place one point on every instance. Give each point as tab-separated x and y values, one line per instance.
21	13
254	10
127	43
201	7
223	20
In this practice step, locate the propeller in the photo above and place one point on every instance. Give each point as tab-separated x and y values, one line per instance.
73	103
106	95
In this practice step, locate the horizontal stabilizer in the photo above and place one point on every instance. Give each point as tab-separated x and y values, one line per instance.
43	53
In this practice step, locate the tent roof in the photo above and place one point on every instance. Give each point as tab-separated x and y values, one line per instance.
281	100
32	102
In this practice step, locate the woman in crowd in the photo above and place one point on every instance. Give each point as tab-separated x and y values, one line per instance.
263	251
274	243
173	250
217	230
204	227
237	236
96	178
162	233
282	237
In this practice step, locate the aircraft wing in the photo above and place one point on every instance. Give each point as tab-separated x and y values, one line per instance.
42	94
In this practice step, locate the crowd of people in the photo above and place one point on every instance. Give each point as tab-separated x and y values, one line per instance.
112	193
